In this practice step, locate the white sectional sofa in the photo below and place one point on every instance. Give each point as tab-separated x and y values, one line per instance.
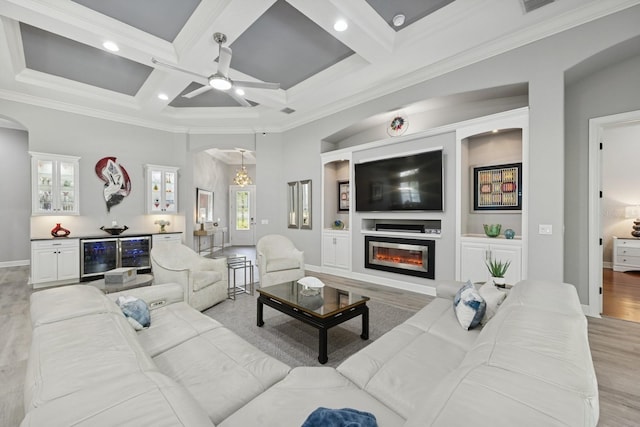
528	366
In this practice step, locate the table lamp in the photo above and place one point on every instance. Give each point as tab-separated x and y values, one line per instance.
634	212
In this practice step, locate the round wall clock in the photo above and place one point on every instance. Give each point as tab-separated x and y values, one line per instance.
398	125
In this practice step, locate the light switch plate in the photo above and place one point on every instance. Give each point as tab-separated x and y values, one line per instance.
545	229
264	222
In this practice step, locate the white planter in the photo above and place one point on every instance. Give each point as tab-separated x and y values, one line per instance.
498	281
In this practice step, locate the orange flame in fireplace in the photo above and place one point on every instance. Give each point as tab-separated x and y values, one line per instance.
406	257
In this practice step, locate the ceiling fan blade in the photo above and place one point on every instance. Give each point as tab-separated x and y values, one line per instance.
201	78
197	92
224	60
239	99
257	85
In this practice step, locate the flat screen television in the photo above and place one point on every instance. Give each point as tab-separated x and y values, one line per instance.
408	183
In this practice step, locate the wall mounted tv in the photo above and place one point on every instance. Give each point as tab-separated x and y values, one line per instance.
408	183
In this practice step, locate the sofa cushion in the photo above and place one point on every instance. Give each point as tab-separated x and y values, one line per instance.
469	306
279	264
221	370
133	400
172	325
292	400
401	367
204	278
68	302
80	353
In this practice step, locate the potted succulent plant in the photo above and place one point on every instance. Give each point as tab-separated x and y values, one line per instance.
498	269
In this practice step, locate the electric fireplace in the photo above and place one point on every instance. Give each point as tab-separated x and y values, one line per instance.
414	257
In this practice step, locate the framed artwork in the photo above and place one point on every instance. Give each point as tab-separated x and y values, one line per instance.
204	208
343	196
498	187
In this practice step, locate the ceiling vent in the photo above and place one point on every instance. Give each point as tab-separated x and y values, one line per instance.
531	5
287	110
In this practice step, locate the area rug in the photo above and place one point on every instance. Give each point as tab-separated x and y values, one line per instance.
296	343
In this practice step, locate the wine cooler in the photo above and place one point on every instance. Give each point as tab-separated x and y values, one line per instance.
100	255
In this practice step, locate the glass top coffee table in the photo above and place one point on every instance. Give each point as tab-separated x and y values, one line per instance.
322	308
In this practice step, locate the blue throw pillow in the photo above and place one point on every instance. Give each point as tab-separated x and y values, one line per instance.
325	417
136	311
469	306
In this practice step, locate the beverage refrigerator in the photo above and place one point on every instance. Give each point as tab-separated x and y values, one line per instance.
104	254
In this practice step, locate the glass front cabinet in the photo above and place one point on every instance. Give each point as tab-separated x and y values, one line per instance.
54	184
162	189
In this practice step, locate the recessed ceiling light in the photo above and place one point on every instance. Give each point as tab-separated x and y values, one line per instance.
112	46
398	20
495	131
239	92
163	96
340	25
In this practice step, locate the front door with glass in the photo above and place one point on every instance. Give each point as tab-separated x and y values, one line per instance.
242	214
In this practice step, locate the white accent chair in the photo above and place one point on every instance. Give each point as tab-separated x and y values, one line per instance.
204	280
278	260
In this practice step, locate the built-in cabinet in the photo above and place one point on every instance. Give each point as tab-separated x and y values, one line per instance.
489	144
162	189
168	237
476	252
55	261
336	211
54	184
336	249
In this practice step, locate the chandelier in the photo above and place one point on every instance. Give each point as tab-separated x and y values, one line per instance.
242	177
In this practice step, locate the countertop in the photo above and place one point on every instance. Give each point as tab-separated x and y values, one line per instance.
104	235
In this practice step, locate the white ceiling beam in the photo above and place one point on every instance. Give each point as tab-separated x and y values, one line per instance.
368	35
76	22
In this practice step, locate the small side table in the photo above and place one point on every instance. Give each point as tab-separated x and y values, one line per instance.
235	263
140	281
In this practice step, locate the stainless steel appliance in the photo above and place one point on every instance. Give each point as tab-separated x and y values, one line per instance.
104	254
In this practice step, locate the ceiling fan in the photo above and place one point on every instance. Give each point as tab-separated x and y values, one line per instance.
220	80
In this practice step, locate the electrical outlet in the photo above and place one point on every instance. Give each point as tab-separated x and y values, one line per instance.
545	229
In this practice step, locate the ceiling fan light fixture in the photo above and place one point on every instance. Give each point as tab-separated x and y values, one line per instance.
220	82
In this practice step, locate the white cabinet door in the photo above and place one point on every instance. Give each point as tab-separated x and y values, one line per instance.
44	265
328	250
342	251
69	263
472	266
54	183
162	189
509	253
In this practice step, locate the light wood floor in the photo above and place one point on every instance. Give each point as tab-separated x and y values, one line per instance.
621	295
615	348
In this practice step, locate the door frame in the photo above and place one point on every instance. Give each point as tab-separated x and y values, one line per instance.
252	213
597	127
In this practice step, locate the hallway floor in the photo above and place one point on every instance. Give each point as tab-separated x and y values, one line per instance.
621	298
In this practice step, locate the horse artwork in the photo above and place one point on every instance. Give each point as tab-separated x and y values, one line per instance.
117	182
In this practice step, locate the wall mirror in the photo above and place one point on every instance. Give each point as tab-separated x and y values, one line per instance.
292	205
305	204
204	207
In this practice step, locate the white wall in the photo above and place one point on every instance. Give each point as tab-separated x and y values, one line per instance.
15	207
619	182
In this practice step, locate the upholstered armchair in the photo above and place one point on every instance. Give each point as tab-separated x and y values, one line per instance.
278	260
204	280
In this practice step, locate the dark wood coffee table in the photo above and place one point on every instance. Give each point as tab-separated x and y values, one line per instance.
322	310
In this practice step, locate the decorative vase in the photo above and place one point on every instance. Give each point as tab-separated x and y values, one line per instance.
499	281
337	225
509	233
492	230
59	231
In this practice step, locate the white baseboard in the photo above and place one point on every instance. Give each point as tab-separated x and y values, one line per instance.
18	263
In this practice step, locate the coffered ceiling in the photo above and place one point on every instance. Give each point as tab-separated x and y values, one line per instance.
52	54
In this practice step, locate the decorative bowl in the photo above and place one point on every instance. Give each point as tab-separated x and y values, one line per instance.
492	230
114	231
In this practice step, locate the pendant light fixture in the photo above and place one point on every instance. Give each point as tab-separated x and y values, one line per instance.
242	177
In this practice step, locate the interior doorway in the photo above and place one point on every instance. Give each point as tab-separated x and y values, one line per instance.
614	280
242	215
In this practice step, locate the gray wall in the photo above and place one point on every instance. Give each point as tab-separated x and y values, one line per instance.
609	90
15	208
